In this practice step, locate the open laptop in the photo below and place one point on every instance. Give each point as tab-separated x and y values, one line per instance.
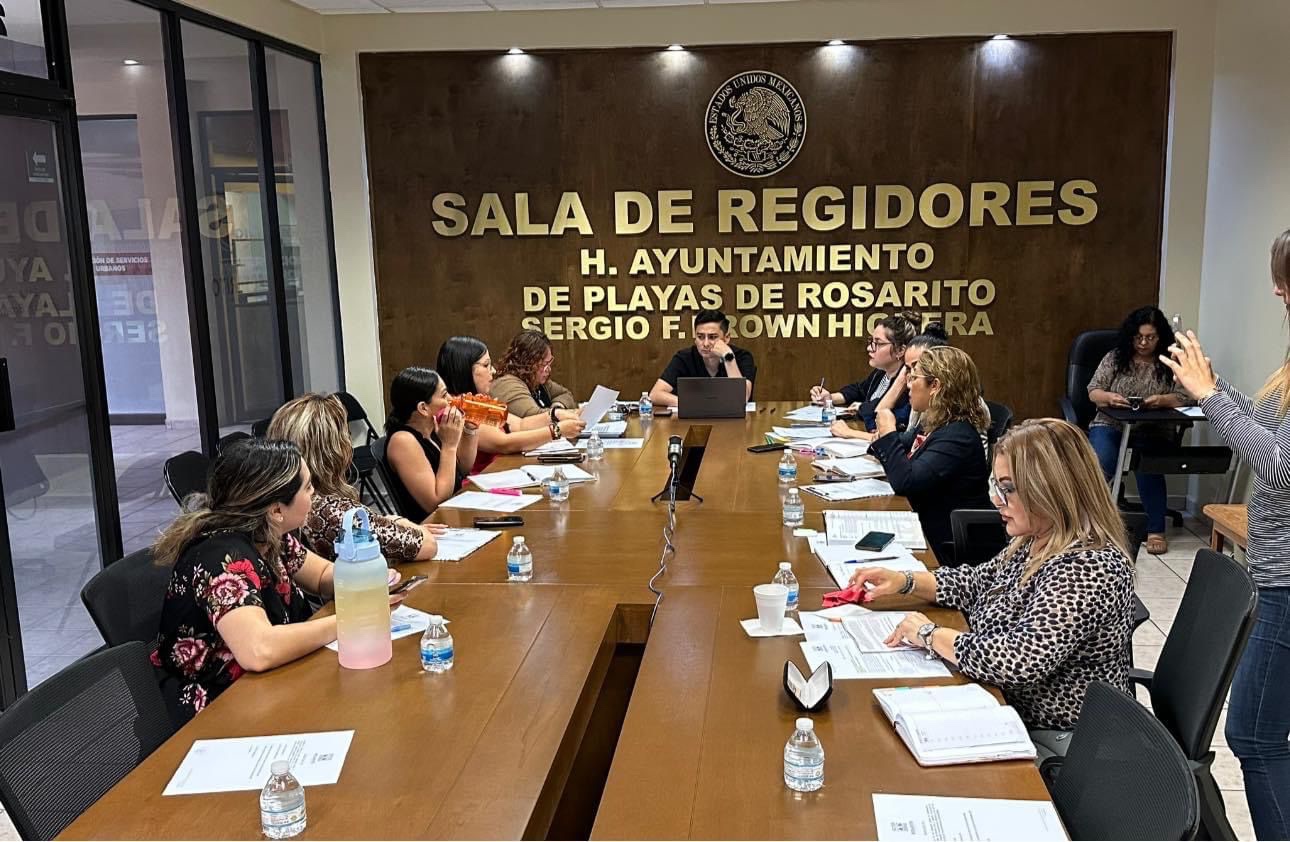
711	397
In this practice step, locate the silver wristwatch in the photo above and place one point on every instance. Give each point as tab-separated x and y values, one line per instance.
925	634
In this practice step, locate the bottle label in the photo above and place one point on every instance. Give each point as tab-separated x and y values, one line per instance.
792	598
440	656
788	471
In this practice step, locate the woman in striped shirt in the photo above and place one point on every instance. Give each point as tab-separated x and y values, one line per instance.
1258	717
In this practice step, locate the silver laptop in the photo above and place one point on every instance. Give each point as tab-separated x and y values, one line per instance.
711	397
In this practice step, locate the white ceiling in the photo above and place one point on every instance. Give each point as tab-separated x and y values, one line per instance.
349	7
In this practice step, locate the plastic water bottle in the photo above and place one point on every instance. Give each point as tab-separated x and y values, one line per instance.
595	448
519	561
436	646
647	406
787	467
786	578
804	759
794	508
282	803
828	414
362	595
557	487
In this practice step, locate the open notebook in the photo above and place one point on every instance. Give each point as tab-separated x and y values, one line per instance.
960	724
527	477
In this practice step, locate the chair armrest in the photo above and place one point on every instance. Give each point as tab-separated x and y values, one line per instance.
1141	677
1050	769
1068	411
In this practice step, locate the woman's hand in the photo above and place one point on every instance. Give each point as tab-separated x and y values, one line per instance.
877	581
1192	370
571	428
566	414
450	427
818	394
842	430
906	634
1156	402
884	421
1113	400
392	582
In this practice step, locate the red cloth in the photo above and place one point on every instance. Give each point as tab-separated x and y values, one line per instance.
854	595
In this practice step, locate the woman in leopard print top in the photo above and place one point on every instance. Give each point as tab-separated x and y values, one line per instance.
1052	612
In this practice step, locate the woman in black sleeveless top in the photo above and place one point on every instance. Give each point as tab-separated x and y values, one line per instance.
430	448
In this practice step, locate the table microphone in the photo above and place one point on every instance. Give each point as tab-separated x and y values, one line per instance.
673	450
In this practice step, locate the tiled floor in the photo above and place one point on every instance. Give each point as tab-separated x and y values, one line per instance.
1160	584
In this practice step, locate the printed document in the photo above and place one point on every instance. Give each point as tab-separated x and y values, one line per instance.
242	763
487	502
931	818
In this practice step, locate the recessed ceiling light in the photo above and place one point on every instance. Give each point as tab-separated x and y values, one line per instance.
130	62
515	51
672	48
999	38
836	42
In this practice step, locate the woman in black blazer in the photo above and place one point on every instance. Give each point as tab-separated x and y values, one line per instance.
940	463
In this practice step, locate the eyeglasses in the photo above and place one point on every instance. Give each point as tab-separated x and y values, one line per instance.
1000	492
875	344
1146	340
546	366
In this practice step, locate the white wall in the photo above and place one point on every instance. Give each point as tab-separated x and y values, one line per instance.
345	36
279	18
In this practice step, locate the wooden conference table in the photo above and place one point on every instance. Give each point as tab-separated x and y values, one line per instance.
566	715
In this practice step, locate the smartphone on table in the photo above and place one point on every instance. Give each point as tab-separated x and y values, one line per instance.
874	542
407	584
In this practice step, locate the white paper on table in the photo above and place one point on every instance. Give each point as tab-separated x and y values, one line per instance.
242	763
858	489
894	557
924	818
455	544
787	629
804	532
800	433
542	473
1192	411
847	526
869	632
849	662
806	413
514	478
845	448
404	622
487	502
557	446
751	406
842	571
820	629
838	612
605	429
855	466
616	444
602	400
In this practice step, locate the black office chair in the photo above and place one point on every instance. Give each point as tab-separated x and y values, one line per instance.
363	468
1196	666
261	427
381	470
1000	420
186	474
1082	360
1124	776
124	599
232	438
978	535
74	736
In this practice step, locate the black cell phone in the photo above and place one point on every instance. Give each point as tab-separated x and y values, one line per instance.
408	584
498	522
662	411
766	448
875	541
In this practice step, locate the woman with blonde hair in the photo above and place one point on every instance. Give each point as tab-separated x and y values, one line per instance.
235	602
1258	716
940	463
1049	614
317	425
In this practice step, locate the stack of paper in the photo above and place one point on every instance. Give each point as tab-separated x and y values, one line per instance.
842	561
557	447
845	448
527	476
487	502
456	544
837	492
844	526
856	467
924	818
942	726
606	429
616	444
852	641
806	413
800	433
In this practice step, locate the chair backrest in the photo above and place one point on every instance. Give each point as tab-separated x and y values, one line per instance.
1086	352
397	495
231	438
124	599
74	736
1000	420
978	535
354	412
1124	776
1135	527
186	474
261	427
1202	649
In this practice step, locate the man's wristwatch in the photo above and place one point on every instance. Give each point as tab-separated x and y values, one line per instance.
925	634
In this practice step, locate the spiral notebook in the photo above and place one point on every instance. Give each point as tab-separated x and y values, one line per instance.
943	726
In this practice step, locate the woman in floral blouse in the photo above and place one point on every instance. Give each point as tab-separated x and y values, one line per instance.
317	425
235	602
1052	612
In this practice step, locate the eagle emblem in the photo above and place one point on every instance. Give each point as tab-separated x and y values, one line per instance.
755	124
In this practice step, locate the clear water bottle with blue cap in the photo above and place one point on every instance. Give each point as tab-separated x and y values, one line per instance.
828	414
362	594
647	406
436	646
787	467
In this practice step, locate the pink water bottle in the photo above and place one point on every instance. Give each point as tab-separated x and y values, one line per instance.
362	595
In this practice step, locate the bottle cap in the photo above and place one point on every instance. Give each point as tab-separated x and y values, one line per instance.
280	767
355	542
435	620
518	539
784	565
805	724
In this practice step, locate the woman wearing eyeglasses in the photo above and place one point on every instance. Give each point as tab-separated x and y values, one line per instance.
939	464
1133	370
1050	613
465	366
886	346
524	381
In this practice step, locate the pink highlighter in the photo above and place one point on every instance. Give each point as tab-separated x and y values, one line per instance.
510	492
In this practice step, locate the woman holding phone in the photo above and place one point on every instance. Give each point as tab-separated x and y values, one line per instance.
1258	716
